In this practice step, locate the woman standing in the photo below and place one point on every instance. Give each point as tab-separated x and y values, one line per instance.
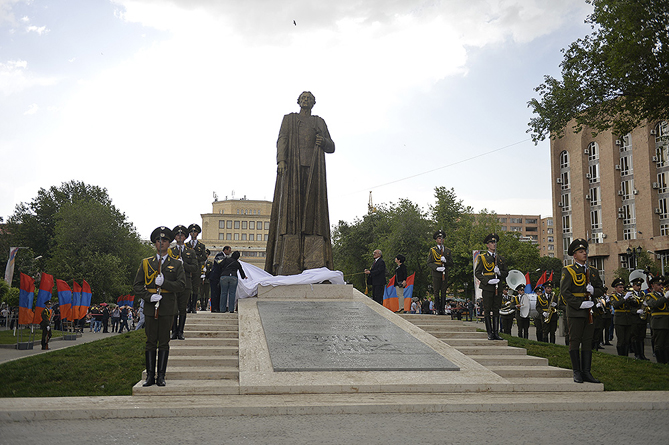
400	280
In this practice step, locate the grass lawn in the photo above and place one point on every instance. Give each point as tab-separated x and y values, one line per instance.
7	337
107	367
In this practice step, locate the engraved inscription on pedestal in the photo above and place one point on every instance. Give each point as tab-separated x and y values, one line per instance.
341	336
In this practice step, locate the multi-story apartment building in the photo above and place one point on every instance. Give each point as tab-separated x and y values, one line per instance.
547	237
613	190
526	225
242	224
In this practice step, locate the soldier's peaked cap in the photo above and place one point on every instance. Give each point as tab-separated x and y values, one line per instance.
638	280
439	233
618	282
490	238
577	244
180	229
161	232
657	279
194	227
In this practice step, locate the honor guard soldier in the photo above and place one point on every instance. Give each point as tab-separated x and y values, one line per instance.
508	311
622	318
439	261
542	306
640	320
551	318
201	252
159	279
522	322
45	324
188	257
579	284
659	319
490	270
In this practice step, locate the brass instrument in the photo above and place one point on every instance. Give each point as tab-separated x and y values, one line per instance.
508	307
646	310
551	310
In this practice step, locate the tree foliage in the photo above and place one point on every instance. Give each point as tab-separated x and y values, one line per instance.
616	78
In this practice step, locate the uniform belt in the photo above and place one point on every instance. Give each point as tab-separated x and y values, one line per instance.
162	291
579	294
488	273
659	313
621	310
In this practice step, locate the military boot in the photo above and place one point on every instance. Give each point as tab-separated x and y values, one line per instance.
150	357
162	367
576	365
586	361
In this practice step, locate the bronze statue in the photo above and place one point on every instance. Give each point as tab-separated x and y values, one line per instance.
299	233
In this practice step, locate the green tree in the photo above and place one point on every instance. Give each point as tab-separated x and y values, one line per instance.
615	78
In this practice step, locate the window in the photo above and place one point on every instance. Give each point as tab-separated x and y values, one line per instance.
236	236
566	225
228	224
266	237
595	196
549	223
503	228
661	132
531	229
629	214
549	230
252	225
594	173
251	237
516	229
243	236
626	165
598	263
564	159
566	241
502	220
221	224
593	149
266	225
626	142
228	236
597	238
516	220
221	236
236	224
629	233
530	221
662	182
551	239
244	225
661	154
626	187
664	229
596	219
566	202
565	180
551	247
664	210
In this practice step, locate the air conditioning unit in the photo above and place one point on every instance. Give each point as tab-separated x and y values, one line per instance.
619	142
560	204
588	175
636	192
621	215
586	152
559	180
604	235
587	197
655	159
653	132
620	210
656	185
620	193
658	211
617	166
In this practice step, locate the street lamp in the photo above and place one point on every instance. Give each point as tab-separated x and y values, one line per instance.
632	254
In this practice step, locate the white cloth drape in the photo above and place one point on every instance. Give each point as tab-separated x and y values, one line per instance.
256	276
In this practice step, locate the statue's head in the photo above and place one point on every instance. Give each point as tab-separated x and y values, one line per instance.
306	95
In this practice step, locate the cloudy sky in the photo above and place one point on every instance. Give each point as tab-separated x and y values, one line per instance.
165	102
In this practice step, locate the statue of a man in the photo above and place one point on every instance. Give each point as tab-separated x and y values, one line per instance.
299	234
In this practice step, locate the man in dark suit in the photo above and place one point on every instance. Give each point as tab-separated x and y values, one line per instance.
376	276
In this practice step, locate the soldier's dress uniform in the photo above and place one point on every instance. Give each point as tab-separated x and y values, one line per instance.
522	322
639	323
659	321
622	318
562	306
439	278
491	293
191	268
197	291
45	324
542	306
574	284
157	329
507	312
551	327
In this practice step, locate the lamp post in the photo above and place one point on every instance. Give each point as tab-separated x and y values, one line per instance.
632	254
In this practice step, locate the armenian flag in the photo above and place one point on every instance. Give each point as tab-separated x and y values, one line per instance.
64	300
26	294
390	300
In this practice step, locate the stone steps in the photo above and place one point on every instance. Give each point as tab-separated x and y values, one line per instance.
210	334
509	360
199	373
176	351
531	384
457	342
207	341
516	372
203	360
190	387
490	350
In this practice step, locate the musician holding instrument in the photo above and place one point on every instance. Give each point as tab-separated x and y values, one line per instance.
579	284
542	306
522	317
550	316
639	320
158	280
439	261
490	270
622	302
508	310
658	303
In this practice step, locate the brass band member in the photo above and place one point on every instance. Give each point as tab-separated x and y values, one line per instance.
508	310
523	323
659	319
541	306
640	320
439	261
188	258
622	318
551	316
490	270
578	284
158	280
201	252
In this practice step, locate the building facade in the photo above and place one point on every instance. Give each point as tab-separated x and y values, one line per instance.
242	224
533	229
612	190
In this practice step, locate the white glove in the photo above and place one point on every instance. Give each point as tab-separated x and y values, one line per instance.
627	295
645	303
48	328
587	305
554	304
590	289
496	270
493	281
181	259
443	259
608	299
160	279
545	314
640	312
156	297
203	276
599	305
441	269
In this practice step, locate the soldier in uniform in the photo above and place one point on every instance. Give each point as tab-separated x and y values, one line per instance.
639	322
622	319
578	284
523	322
188	257
490	270
508	311
659	319
158	280
205	287
45	324
542	306
201	252
551	326
439	261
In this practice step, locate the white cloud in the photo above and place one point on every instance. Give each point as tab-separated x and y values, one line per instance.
37	29
31	110
14	78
